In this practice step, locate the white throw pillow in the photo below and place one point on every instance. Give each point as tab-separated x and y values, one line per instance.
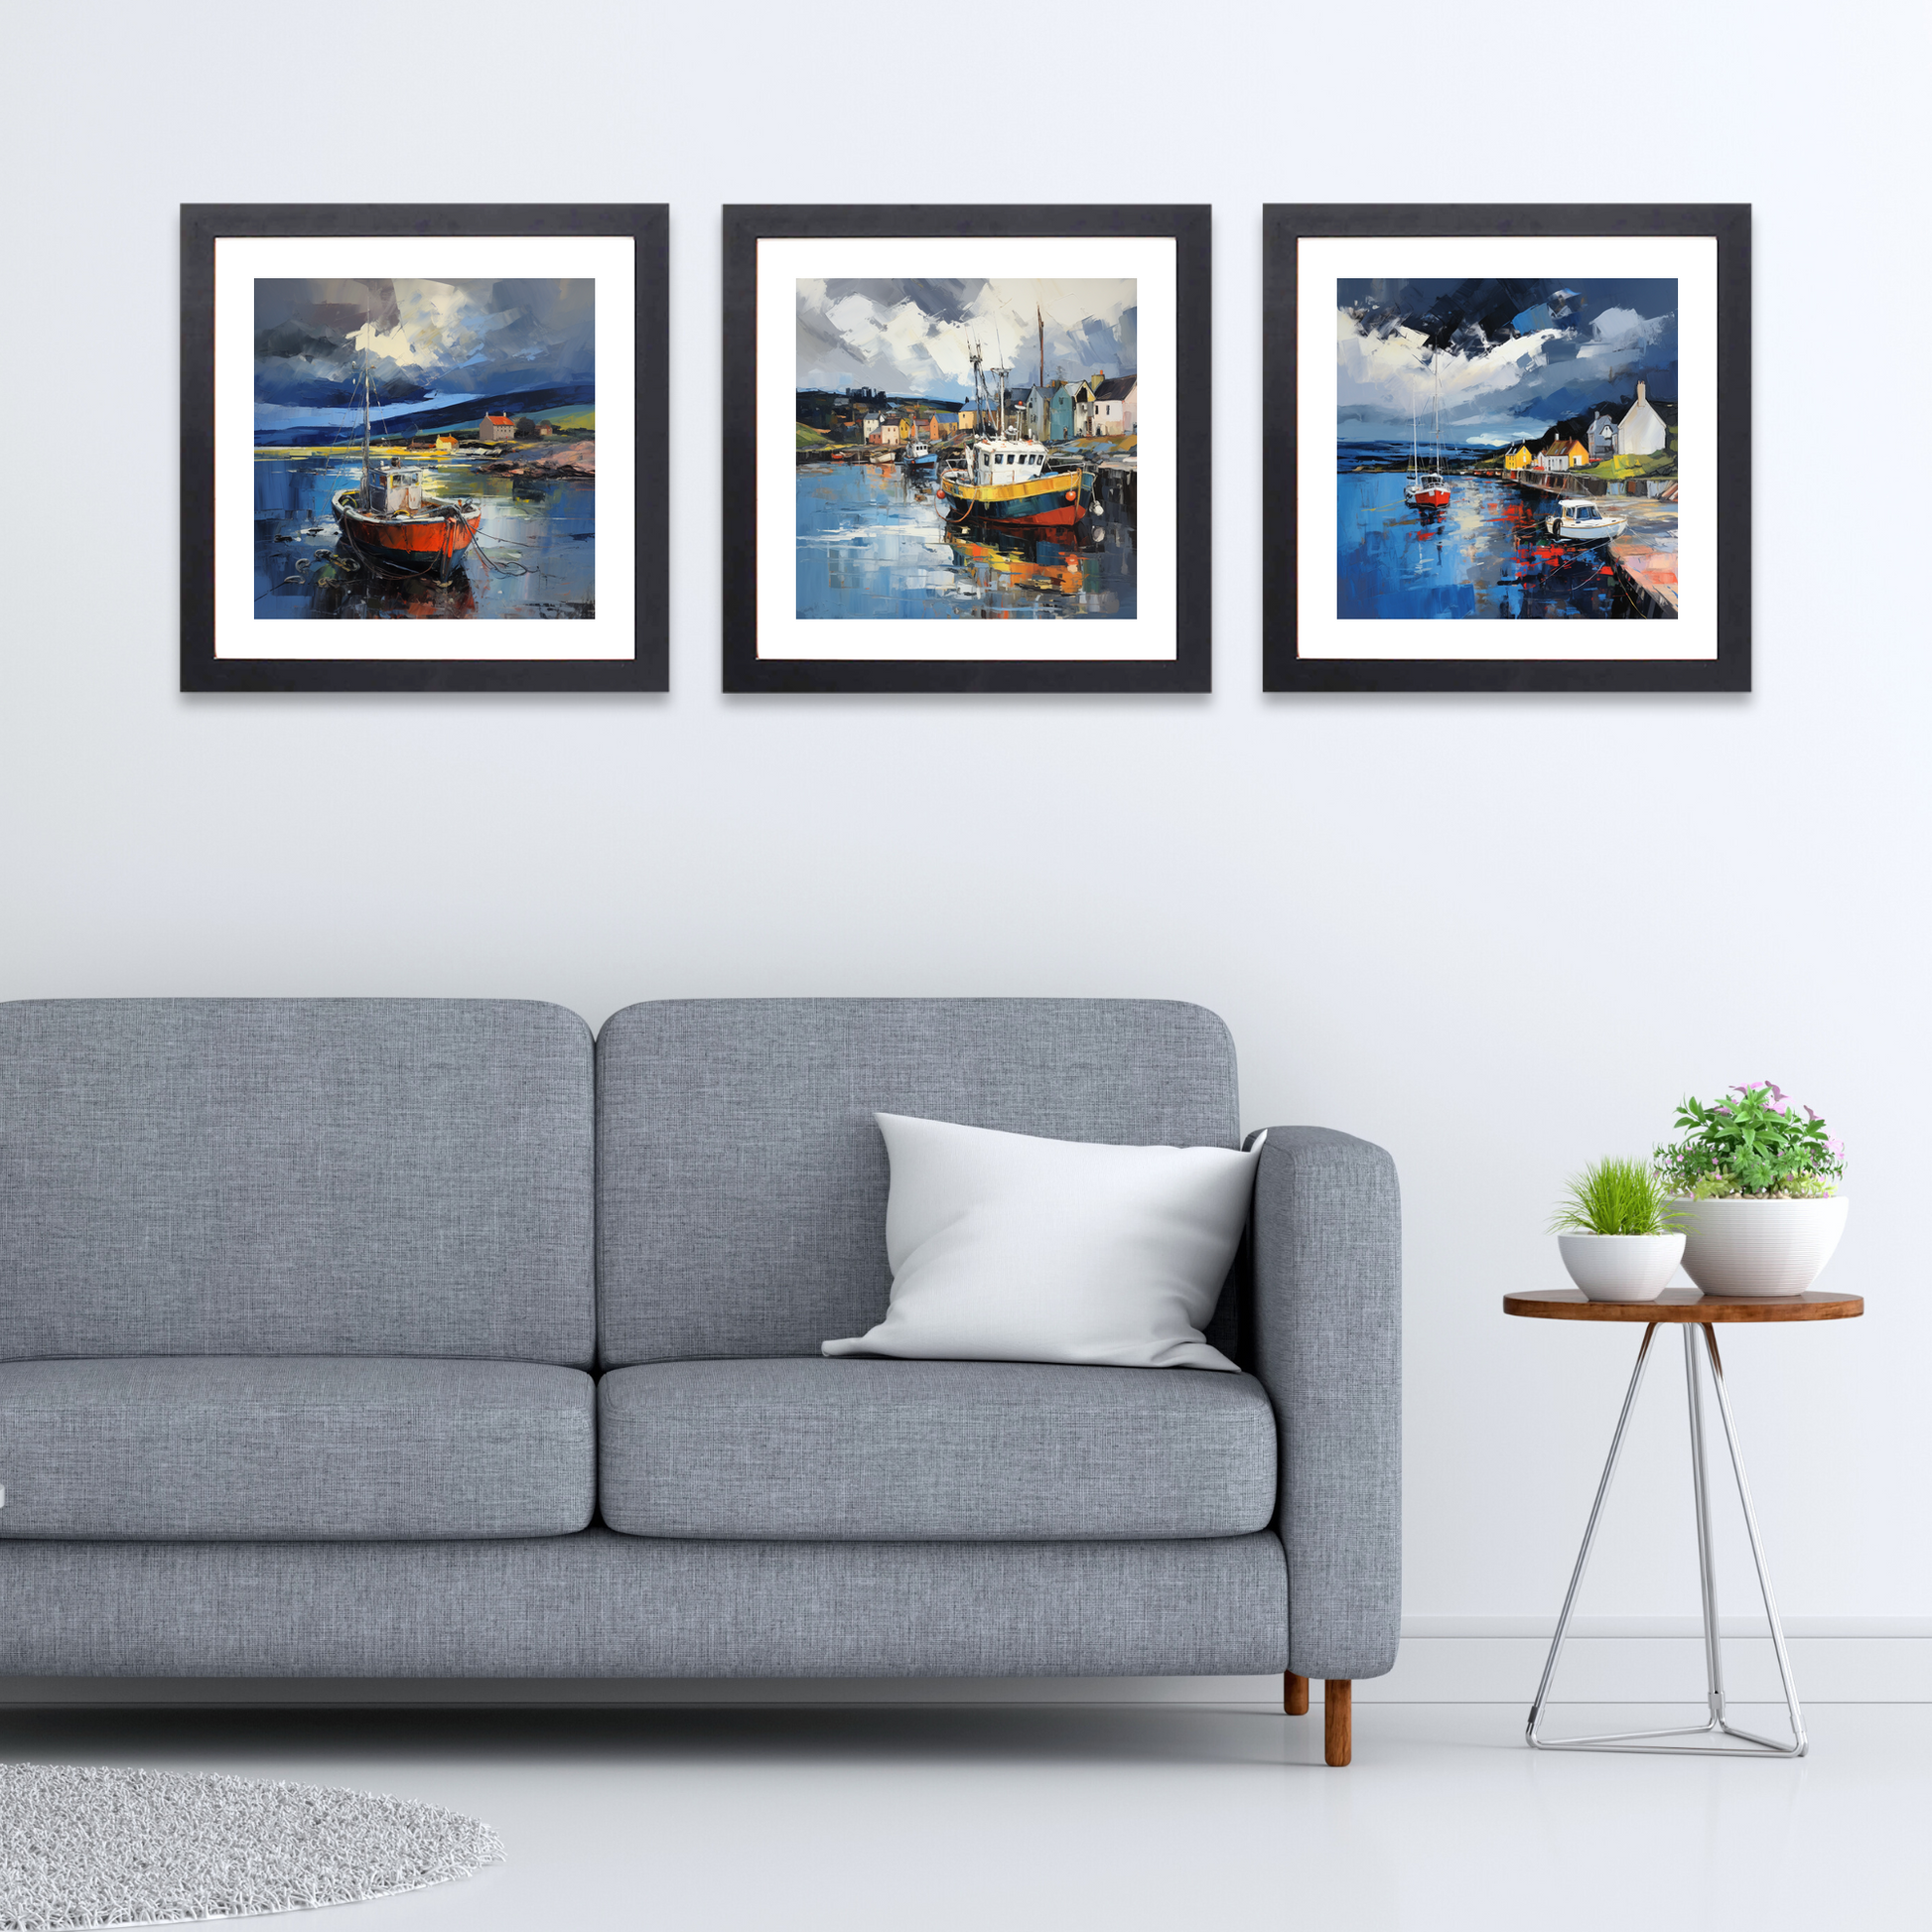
1007	1248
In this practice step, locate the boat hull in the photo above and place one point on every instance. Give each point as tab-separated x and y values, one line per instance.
1040	502
1569	533
414	542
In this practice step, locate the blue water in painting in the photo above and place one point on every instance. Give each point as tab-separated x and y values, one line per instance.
873	541
537	557
1485	555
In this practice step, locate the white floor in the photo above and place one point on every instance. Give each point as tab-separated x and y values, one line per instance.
1076	1818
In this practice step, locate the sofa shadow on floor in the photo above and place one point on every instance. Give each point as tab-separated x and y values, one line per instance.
715	1735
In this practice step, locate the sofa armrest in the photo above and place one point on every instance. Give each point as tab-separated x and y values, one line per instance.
1327	1343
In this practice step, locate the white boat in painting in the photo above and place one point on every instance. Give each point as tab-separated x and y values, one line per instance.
1577	519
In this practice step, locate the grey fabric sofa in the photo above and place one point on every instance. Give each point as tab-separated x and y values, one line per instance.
428	1338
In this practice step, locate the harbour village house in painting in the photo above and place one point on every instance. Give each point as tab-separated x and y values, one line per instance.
1049	413
1518	459
1113	406
498	429
1642	432
1566	453
1105	406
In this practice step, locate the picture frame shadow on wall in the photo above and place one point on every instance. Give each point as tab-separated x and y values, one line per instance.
1477	416
967	449
451	414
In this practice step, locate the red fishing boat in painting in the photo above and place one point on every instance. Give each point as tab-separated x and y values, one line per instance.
391	520
1427	488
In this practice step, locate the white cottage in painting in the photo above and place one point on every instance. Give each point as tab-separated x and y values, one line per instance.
1642	432
1114	406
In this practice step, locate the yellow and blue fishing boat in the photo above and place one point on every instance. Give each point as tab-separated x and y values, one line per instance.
1014	480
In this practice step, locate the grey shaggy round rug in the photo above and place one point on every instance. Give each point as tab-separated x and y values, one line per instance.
90	1846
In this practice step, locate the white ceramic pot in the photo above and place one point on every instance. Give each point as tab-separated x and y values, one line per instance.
1621	1267
1759	1247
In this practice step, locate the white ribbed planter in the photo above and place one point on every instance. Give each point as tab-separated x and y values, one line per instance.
1621	1267
1759	1247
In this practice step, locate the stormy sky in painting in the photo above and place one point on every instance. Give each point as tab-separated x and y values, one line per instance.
430	343
1512	356
913	338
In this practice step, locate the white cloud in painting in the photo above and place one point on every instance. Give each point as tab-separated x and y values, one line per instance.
917	336
1395	373
437	325
1617	330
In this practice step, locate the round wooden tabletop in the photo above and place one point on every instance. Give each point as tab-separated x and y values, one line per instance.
1687	1305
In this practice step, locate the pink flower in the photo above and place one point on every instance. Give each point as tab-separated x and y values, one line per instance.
1834	1147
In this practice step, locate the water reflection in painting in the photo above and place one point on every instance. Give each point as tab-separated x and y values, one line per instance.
875	540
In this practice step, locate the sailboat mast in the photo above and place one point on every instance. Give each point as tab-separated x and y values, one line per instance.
365	415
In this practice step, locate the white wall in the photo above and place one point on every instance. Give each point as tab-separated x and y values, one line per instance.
1498	934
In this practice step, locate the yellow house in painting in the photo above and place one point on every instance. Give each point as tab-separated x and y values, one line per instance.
1517	458
1576	456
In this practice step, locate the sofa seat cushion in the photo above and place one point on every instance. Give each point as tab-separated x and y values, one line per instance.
294	1447
894	1450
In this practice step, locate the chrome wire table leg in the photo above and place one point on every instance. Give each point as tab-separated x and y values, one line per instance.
1590	1537
1799	1743
1713	1659
1752	1745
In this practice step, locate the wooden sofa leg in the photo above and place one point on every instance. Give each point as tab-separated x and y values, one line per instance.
1295	1695
1338	1730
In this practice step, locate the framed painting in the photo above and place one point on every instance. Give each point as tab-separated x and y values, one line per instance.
1507	448
452	414
966	449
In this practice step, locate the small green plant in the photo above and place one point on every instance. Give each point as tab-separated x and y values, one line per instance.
1614	1196
1755	1146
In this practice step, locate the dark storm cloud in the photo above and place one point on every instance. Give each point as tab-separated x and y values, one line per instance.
424	338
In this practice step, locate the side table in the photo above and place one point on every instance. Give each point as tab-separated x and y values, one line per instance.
1698	1315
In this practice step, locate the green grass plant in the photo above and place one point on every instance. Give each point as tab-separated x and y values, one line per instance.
1615	1196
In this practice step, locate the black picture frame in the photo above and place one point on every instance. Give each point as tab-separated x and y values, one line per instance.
647	669
1191	668
1285	669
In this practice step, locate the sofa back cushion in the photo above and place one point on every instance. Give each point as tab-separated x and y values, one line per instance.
742	1179
295	1176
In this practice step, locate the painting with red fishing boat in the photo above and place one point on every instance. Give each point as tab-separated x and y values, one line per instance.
414	413
466	488
1496	454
